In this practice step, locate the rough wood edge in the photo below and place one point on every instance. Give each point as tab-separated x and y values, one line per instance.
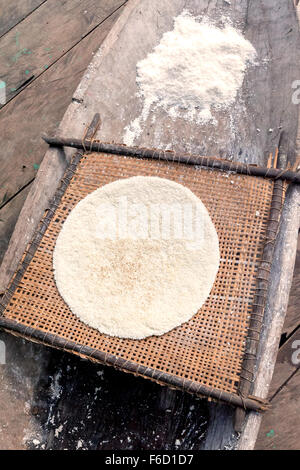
285	254
262	285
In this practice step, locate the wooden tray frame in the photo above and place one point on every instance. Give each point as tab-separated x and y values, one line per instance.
243	400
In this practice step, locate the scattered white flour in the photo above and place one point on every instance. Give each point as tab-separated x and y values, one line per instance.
197	67
131	282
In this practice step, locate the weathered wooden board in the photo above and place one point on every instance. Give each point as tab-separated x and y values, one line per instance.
46	100
45	36
285	255
281	275
267	92
18	380
292	319
8	218
110	413
287	363
236	135
44	40
14	11
280	428
96	87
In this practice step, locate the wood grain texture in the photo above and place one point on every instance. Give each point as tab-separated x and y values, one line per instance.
44	40
284	257
46	101
8	218
236	134
279	293
280	428
262	287
292	319
41	39
285	367
287	362
267	92
109	413
252	147
14	11
18	380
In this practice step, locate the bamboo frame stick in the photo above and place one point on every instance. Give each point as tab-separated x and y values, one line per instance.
262	285
170	156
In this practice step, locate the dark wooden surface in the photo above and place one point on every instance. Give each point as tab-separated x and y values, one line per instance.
53	400
72	401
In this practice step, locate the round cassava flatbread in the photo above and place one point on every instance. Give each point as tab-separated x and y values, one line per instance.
137	257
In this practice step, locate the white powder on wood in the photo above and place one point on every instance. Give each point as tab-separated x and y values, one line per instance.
136	284
196	68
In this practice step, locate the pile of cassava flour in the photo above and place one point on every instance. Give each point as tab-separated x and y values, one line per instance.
197	67
131	266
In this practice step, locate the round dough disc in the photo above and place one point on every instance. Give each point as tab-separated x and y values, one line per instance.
137	257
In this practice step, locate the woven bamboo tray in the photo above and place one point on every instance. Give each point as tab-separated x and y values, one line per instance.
213	354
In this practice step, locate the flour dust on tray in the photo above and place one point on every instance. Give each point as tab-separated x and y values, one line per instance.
137	257
196	68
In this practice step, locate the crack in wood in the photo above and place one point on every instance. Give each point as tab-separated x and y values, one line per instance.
7	201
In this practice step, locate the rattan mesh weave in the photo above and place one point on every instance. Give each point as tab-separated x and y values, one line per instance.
209	348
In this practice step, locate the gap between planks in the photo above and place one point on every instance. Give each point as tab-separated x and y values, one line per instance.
57	91
13	14
23	65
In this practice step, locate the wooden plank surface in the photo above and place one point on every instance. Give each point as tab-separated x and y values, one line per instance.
267	89
236	134
287	363
281	275
18	381
45	36
13	12
46	100
292	319
105	78
280	428
285	256
29	51
8	218
131	413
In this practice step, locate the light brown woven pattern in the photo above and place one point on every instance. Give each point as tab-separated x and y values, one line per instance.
209	348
